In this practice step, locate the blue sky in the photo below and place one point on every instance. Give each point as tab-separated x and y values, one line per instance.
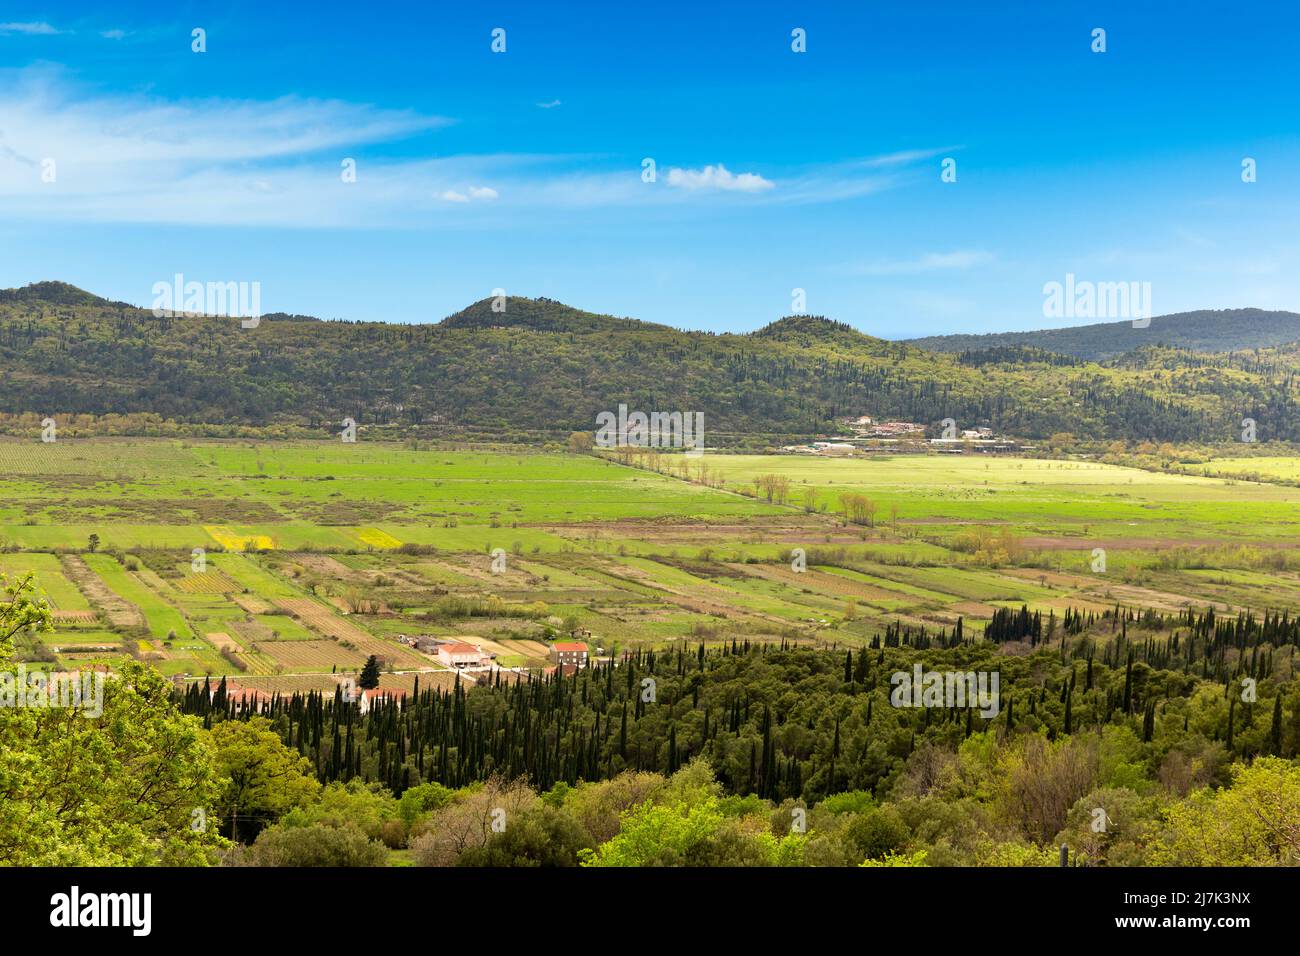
775	170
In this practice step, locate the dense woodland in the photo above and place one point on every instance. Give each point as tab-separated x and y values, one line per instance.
1133	713
788	721
542	368
1210	330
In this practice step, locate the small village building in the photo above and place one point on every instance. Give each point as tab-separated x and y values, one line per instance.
238	693
368	698
569	652
457	654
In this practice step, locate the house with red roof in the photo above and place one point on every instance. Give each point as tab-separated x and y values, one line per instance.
569	652
458	654
366	698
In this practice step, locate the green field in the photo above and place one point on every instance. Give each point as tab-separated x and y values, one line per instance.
1267	467
1040	497
339	551
163	619
61	593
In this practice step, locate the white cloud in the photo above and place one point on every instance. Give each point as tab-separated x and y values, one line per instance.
113	34
132	158
927	262
138	159
718	177
30	29
475	193
41	119
549	105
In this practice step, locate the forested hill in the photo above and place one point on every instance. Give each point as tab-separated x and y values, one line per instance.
1223	330
541	366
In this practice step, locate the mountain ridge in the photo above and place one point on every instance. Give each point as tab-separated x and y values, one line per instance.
1213	331
541	366
1204	330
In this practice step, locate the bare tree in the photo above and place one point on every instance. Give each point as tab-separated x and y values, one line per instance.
471	821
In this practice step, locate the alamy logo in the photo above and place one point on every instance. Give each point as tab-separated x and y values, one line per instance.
81	690
190	300
72	909
1098	300
921	688
655	430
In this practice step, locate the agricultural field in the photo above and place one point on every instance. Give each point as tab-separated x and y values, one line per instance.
286	565
1265	467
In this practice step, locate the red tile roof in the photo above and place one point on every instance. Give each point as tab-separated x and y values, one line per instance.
459	647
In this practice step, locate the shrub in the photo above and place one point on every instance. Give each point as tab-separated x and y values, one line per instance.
316	845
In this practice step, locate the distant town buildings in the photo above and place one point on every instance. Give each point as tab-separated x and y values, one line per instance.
868	435
893	430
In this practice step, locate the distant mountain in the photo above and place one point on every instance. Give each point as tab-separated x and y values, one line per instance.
809	330
538	315
56	293
1224	330
543	367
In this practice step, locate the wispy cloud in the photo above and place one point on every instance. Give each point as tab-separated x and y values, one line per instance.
907	157
958	260
549	105
29	29
42	121
136	159
225	162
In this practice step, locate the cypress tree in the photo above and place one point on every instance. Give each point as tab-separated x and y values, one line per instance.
1128	685
369	678
622	734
